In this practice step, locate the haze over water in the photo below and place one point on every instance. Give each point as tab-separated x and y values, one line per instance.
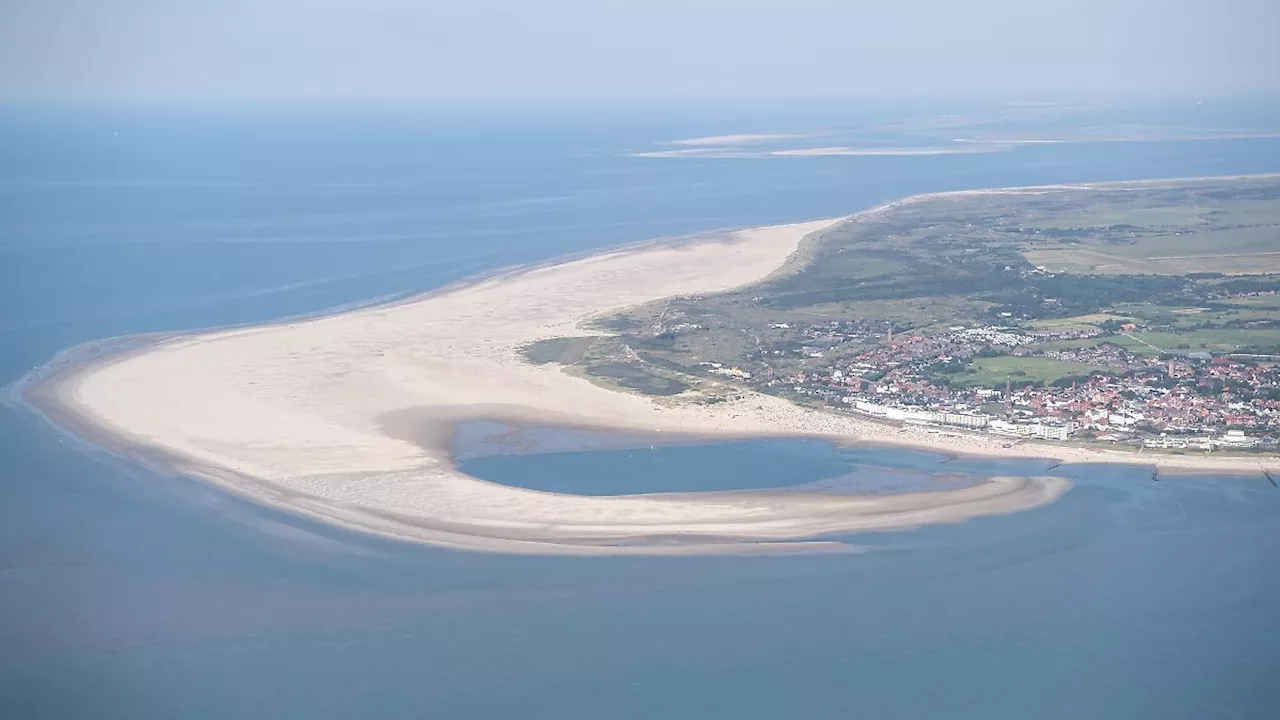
130	595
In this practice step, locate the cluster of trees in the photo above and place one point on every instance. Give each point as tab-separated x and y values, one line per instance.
1266	283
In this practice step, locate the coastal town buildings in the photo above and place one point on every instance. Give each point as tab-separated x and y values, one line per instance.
1196	400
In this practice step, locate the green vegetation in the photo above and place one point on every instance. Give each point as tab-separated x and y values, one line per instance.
995	371
1152	269
1106	216
1266	301
633	377
613	362
1237	237
1218	341
1079	321
566	351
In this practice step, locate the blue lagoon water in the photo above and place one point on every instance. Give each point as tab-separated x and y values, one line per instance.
125	594
742	465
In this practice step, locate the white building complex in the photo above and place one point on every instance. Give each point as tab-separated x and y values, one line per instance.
970	421
1031	430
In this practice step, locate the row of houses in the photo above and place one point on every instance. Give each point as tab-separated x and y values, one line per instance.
1229	439
971	421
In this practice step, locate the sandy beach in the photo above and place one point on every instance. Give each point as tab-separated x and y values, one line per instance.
347	418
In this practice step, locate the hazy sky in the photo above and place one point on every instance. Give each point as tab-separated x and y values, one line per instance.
429	49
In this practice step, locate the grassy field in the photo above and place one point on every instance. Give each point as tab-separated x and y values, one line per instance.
994	372
1068	344
1226	252
1253	303
1254	239
1192	320
1236	238
1217	340
870	267
1155	313
1175	216
1078	321
1153	343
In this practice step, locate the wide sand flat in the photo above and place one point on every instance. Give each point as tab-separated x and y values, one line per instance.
326	417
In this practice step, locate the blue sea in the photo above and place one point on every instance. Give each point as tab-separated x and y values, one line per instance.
124	594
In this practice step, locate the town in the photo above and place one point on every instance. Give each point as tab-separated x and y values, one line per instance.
1067	317
1048	384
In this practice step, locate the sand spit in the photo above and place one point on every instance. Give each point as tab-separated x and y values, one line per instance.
737	152
739	139
881	151
296	415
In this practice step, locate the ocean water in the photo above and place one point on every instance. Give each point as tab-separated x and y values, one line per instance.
124	594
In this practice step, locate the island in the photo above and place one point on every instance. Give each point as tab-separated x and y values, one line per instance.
1131	315
948	321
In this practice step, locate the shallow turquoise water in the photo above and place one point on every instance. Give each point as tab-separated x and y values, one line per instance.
124	594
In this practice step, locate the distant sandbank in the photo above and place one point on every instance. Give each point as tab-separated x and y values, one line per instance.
347	418
733	152
738	139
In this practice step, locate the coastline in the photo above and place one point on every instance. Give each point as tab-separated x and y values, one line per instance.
346	417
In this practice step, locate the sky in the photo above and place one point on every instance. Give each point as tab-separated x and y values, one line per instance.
283	50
